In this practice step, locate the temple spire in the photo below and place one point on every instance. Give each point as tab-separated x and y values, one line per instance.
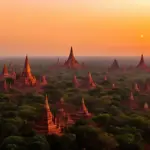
5	70
27	68
105	78
71	61
141	64
83	107
75	81
115	65
90	80
131	97
146	106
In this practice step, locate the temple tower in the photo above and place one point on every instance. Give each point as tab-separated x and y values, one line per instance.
5	71
141	64
71	61
114	66
146	106
75	81
90	82
46	125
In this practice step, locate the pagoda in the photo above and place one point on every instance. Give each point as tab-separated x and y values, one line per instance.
146	106
71	62
26	76
75	81
132	103
113	86
46	125
141	64
5	73
88	83
82	113
43	80
114	66
136	87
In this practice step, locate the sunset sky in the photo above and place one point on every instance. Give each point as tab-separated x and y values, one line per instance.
92	27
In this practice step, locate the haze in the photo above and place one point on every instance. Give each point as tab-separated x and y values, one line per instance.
92	27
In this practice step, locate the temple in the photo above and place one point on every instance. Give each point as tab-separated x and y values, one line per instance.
105	78
146	87
46	125
75	81
90	82
26	76
136	87
146	106
141	64
114	66
43	81
72	62
132	103
82	113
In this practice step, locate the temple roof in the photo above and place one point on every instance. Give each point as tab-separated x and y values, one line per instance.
27	67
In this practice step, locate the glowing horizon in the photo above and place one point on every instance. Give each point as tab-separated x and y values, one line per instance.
92	28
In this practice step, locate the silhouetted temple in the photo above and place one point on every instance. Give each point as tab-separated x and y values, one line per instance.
72	62
114	66
141	64
132	103
46	125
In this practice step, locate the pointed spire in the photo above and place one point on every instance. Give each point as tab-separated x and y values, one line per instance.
27	69
83	107
62	100
142	64
75	81
114	65
131	97
146	106
5	70
90	80
136	87
71	62
113	86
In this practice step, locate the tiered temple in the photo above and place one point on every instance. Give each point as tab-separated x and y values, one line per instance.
114	66
46	125
141	64
26	76
72	62
82	113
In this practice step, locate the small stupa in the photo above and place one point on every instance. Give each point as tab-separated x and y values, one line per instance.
75	81
146	106
132	102
43	80
136	87
105	78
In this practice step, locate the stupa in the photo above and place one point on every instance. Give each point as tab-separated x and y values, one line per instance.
105	78
132	103
136	87
72	63
90	83
82	113
141	64
146	106
114	66
46	125
75	81
43	80
26	76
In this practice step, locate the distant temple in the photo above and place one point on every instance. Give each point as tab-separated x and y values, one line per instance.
132	103
146	106
136	87
141	64
82	113
75	81
46	124
26	76
114	66
72	62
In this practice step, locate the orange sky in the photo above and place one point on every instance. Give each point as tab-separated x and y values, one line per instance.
92	27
